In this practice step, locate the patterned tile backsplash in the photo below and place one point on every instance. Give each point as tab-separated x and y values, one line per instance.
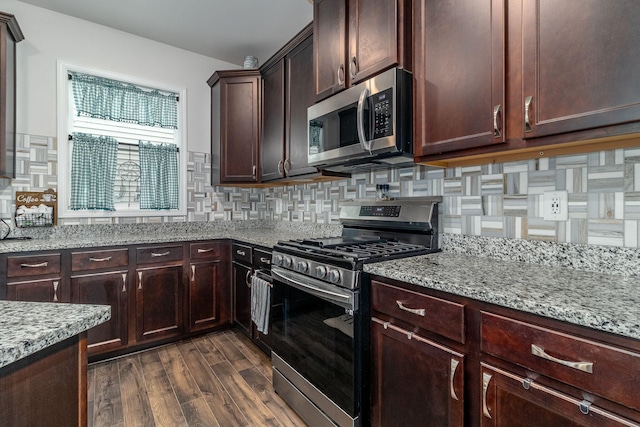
493	200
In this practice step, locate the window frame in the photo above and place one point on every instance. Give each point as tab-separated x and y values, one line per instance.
64	121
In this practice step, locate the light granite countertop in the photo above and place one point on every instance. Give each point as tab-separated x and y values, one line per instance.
28	327
609	303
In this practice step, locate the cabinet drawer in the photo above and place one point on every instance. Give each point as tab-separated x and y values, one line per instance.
93	260
436	315
262	259
242	253
155	254
33	265
204	250
596	368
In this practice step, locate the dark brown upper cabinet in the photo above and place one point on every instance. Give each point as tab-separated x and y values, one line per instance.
235	126
459	74
10	34
580	65
356	39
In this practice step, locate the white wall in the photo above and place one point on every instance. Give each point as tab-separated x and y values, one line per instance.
52	37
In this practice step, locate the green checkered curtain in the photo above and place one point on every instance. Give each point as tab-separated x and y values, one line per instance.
93	172
158	176
108	99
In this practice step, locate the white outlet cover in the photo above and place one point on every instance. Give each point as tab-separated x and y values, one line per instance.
555	205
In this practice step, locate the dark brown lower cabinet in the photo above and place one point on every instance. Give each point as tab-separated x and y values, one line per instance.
158	302
110	288
45	290
209	297
47	388
416	382
511	400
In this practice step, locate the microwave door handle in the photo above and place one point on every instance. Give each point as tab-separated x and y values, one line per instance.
360	120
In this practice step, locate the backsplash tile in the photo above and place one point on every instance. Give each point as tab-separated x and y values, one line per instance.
492	200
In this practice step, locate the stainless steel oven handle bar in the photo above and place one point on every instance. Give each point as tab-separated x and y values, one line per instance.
317	288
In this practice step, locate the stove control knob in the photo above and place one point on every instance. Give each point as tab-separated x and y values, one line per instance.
288	262
277	259
303	266
334	276
321	272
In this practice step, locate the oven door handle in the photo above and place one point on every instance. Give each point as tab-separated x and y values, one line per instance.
343	299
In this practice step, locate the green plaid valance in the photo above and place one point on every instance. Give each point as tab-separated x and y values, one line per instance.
108	99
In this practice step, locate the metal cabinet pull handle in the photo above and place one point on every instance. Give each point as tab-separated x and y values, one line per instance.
247	279
254	171
486	378
496	129
241	253
287	168
581	366
204	251
124	282
100	259
341	74
55	291
418	311
353	67
153	254
42	264
139	280
265	260
527	119
454	367
193	273
281	168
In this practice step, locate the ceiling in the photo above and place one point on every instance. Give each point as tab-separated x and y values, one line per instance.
227	30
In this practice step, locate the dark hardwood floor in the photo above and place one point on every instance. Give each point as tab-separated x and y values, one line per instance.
219	379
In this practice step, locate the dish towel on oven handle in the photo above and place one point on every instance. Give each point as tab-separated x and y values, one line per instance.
260	303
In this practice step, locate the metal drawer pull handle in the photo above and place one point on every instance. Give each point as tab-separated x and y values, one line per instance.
140	280
204	251
124	282
265	260
241	253
584	407
581	366
100	259
55	291
42	264
526	383
418	311
193	273
454	367
153	254
247	279
496	129
486	379
527	120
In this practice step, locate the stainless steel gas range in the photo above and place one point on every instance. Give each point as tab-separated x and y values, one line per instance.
320	307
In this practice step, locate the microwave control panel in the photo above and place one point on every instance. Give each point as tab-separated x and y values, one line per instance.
382	113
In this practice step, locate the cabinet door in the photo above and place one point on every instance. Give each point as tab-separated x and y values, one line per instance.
273	122
105	289
300	96
242	297
376	37
209	297
239	128
510	400
158	302
580	65
414	380
46	290
459	74
329	46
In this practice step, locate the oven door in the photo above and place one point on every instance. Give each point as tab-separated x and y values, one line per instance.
313	330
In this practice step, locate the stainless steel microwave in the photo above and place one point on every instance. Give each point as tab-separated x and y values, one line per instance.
366	126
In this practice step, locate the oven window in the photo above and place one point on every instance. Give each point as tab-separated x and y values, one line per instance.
315	337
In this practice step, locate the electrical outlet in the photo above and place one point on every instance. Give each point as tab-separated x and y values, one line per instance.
555	206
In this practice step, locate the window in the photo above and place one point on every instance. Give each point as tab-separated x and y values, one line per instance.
120	146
